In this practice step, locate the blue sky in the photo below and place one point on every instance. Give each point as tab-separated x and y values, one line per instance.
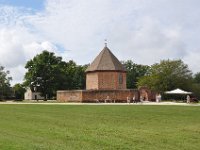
33	4
145	31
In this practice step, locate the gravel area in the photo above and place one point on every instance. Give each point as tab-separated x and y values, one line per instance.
144	103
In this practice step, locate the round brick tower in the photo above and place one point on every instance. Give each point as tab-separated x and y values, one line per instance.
105	72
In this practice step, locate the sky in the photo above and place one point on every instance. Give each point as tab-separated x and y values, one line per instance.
144	31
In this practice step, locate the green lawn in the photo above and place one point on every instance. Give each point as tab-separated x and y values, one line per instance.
62	127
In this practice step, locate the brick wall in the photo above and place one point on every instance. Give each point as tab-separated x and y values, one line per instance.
101	95
96	95
92	80
147	94
69	96
106	80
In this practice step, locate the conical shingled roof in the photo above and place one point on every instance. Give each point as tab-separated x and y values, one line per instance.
105	61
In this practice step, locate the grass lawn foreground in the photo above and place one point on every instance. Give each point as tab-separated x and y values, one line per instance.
62	127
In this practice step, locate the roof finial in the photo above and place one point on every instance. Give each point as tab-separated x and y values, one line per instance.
105	42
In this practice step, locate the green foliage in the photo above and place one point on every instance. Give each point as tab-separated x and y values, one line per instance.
167	75
195	86
134	72
75	75
54	127
46	73
197	78
80	77
5	89
19	91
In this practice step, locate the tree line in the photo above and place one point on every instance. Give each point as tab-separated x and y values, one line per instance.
47	73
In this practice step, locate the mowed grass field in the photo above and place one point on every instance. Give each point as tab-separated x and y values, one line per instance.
63	127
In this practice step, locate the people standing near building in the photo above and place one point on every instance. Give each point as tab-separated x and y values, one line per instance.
107	99
128	99
141	98
158	98
188	98
134	101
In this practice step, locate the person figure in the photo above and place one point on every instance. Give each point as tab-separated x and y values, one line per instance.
188	98
134	99
128	100
158	98
107	99
141	98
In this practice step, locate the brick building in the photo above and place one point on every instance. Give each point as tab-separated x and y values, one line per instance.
105	82
105	73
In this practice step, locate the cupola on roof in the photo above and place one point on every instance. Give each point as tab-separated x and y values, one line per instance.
105	61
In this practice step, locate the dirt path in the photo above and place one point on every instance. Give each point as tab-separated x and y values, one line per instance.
55	103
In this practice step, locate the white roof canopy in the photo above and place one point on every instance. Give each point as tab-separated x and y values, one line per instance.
177	91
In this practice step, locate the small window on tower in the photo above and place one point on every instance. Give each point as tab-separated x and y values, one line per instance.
120	78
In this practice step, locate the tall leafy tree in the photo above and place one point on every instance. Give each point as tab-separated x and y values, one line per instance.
80	77
5	89
167	75
195	86
19	91
75	75
45	73
197	78
134	72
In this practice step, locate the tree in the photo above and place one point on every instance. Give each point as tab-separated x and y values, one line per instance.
195	89
167	75
75	75
197	78
5	89
19	91
134	72
195	86
45	74
80	77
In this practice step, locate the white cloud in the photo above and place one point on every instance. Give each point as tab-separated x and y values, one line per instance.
146	31
151	42
18	43
142	30
193	59
17	47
